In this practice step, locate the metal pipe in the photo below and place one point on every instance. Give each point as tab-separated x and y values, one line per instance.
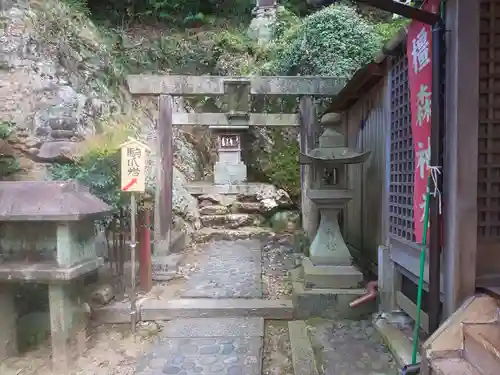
411	369
372	288
437	121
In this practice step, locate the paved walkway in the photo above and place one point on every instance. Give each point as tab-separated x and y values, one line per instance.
352	348
222	346
231	269
231	346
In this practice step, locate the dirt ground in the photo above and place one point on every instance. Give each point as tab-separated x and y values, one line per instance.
112	349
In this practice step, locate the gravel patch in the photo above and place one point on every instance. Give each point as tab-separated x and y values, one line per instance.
277	350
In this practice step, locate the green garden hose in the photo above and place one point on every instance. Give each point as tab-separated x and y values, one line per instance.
421	273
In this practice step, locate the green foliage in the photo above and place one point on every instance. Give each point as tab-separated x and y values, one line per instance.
283	164
99	170
285	21
6	129
8	163
302	242
388	30
175	12
334	41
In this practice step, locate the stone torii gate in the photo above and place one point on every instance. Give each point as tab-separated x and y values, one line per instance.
238	92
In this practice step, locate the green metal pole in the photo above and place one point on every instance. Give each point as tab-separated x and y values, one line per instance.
421	273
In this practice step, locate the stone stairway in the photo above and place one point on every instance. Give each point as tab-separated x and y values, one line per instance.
247	211
469	342
480	354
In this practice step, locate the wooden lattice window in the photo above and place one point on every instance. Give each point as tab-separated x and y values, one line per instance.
488	188
401	154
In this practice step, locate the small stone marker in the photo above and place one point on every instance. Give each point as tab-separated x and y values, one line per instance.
133	166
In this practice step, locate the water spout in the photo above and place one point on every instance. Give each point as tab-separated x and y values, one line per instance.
372	289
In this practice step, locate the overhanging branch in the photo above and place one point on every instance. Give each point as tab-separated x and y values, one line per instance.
404	10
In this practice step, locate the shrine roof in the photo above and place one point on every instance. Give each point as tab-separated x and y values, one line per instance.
48	201
369	75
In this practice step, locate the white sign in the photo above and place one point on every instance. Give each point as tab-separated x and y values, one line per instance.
133	165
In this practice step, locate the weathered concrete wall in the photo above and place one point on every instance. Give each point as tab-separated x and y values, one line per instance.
22	240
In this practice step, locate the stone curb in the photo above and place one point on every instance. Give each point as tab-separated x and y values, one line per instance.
303	359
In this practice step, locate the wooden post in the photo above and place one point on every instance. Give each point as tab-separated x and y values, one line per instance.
307	114
460	170
163	205
145	269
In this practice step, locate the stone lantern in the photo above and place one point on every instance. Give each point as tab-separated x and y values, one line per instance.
329	262
48	236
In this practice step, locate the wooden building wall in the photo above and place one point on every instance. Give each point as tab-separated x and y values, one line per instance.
488	184
366	124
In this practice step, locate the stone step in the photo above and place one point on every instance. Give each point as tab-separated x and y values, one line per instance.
304	362
482	346
209	234
329	303
215	209
453	366
158	309
232	221
248	207
399	345
338	277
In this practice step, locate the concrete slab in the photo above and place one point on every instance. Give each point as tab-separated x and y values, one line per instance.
338	277
154	309
214	327
329	303
212	308
303	359
396	341
114	313
206	187
209	234
47	272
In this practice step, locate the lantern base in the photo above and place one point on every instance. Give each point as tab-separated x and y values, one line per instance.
328	246
337	277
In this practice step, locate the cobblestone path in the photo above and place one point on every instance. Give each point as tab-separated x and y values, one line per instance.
352	348
230	269
222	346
231	346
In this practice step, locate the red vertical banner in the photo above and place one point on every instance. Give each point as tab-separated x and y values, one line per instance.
419	52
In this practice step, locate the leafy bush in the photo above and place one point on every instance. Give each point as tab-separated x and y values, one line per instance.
335	41
99	169
284	165
8	163
387	30
177	12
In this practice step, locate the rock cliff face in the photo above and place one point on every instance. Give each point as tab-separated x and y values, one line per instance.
60	84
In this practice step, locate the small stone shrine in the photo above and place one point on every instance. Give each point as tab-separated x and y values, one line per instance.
264	13
328	270
47	235
229	168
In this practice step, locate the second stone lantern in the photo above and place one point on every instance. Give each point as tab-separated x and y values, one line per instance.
329	263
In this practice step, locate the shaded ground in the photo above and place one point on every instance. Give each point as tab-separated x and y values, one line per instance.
231	269
277	350
229	346
349	347
112	351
